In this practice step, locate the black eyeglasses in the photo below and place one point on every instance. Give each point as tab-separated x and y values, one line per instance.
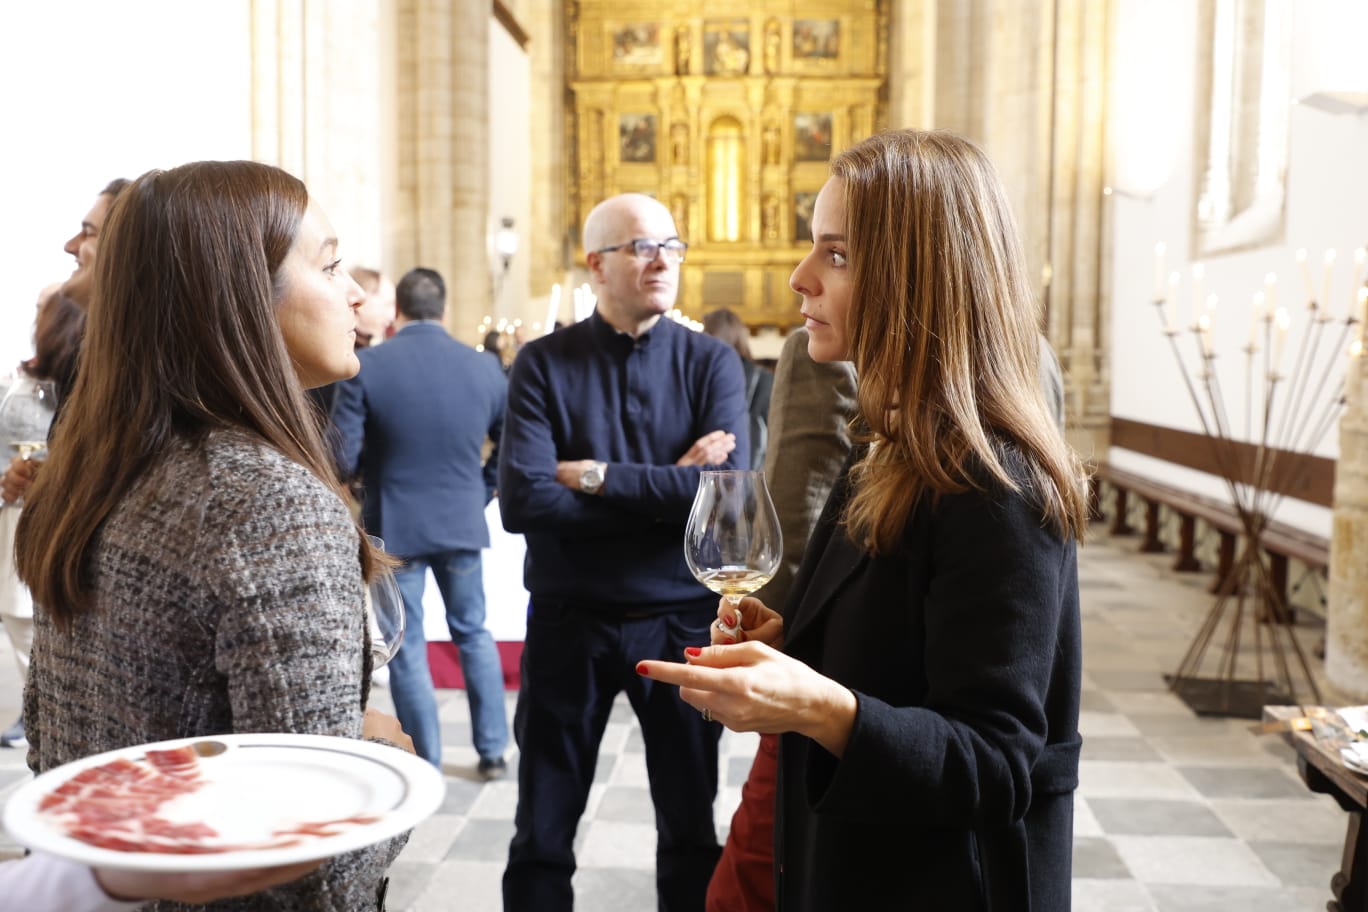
648	249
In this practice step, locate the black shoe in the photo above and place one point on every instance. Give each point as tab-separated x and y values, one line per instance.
14	735
489	769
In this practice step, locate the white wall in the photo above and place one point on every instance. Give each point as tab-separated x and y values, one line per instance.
1154	60
97	90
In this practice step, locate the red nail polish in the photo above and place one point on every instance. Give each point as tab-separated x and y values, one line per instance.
641	668
692	652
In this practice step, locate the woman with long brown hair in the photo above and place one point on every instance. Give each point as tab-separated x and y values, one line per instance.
926	672
195	562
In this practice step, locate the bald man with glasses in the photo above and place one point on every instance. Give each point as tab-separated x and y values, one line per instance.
609	423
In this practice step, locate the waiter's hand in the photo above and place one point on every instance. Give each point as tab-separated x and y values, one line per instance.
18	479
195	886
376	724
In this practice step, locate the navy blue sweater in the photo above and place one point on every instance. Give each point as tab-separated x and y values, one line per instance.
591	392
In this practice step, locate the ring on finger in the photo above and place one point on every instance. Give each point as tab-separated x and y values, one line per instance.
707	714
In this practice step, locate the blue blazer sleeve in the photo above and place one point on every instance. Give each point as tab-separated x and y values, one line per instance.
349	418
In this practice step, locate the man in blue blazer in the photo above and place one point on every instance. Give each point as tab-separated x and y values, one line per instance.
413	423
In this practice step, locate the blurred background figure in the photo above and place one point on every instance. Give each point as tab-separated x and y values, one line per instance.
725	325
56	342
494	345
377	314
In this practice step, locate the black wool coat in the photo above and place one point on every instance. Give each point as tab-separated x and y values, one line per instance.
963	648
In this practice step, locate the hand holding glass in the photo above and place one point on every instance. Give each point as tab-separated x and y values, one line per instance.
26	412
732	542
384	614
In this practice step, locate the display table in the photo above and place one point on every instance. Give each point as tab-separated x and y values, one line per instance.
1325	773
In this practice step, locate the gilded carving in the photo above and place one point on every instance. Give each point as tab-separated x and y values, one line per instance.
683	49
679	143
769	217
728	120
772	41
770	138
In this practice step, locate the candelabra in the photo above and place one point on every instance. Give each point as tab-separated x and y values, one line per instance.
1286	415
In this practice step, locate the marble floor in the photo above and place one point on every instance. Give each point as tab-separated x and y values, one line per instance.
1175	812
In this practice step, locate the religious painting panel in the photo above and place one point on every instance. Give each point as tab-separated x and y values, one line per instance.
637	44
803	203
726	47
816	39
811	137
637	138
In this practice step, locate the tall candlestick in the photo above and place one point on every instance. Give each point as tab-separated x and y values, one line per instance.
1279	336
1270	294
1306	273
1255	318
1325	280
1171	302
1198	273
1159	249
1360	255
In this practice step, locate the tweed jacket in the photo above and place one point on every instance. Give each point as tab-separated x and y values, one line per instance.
227	598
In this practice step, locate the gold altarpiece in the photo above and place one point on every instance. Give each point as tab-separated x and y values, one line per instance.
729	119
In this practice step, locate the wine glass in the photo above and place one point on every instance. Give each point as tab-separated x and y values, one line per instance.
26	413
384	614
732	542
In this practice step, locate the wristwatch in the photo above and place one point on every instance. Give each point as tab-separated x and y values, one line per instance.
591	479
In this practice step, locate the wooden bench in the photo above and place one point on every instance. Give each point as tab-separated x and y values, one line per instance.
1279	541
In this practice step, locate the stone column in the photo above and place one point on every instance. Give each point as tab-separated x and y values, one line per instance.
443	160
1346	639
547	241
1027	80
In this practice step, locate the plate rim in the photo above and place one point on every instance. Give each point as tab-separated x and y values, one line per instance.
424	784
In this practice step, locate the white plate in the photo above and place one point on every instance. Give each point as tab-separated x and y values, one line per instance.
262	782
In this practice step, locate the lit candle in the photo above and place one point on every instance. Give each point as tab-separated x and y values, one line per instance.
1270	294
1170	302
1306	274
1198	273
1325	279
1360	255
1282	320
1255	318
1159	249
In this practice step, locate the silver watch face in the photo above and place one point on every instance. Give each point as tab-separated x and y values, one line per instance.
591	479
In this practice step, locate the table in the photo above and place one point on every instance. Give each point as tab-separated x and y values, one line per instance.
1324	773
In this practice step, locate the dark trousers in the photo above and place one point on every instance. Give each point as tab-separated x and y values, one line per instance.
575	662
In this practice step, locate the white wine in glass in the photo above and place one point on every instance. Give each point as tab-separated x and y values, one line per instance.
732	542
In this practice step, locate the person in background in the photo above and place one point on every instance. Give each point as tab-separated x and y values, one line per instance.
191	554
609	423
83	246
413	424
810	412
926	675
725	325
56	343
494	345
377	313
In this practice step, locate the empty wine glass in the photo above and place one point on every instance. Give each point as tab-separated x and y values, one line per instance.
732	542
26	413
384	614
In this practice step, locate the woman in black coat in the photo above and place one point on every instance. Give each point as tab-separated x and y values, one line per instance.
927	678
